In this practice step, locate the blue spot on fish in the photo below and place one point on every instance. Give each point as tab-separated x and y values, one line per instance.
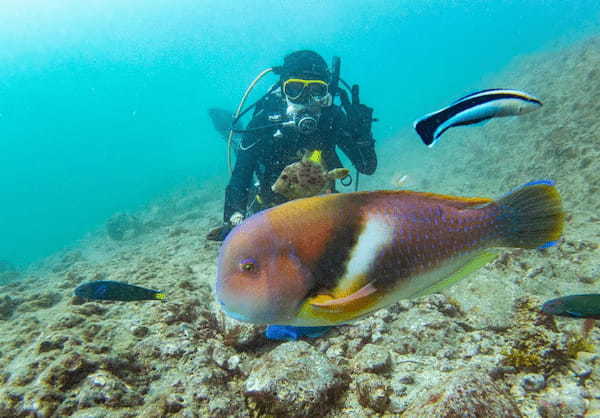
548	244
101	291
537	182
287	332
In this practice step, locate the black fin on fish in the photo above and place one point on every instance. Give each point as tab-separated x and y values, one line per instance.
426	127
222	121
531	216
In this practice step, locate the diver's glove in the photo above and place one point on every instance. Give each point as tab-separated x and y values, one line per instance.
360	118
236	218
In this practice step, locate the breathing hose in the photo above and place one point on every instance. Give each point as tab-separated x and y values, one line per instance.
236	115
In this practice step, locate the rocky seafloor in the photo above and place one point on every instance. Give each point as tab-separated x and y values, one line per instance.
482	349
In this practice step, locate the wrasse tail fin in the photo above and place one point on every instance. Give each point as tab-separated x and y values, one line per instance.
475	264
160	296
531	216
426	127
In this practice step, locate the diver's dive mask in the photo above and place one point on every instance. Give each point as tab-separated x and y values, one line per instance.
298	90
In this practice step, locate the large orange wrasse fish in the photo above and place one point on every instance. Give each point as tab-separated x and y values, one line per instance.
330	259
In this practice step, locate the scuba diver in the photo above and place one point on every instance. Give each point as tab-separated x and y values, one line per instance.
296	115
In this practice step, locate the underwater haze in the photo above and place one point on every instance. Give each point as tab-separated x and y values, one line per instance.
103	104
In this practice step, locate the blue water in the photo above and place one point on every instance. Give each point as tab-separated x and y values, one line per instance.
103	103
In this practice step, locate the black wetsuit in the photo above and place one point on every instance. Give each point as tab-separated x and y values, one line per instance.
266	155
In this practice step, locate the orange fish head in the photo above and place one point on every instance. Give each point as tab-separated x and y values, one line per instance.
260	278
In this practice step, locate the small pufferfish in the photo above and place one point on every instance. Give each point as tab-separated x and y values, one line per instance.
307	177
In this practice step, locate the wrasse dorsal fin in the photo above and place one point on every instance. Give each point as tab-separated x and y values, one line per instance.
347	303
455	201
472	266
476	93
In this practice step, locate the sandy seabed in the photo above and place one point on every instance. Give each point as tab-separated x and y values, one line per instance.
482	349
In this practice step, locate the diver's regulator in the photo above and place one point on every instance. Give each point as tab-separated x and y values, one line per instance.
304	122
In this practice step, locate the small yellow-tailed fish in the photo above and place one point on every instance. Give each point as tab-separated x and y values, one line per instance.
112	290
327	260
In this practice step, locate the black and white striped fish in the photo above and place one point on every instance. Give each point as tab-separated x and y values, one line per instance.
475	108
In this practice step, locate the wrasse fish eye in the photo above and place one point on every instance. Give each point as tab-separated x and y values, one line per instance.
248	264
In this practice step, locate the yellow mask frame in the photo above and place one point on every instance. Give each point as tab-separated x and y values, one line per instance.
304	83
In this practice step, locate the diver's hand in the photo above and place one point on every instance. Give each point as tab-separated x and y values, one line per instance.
360	118
236	218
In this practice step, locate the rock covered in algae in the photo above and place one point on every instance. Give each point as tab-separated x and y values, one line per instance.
568	401
469	393
294	380
373	391
123	226
235	333
373	358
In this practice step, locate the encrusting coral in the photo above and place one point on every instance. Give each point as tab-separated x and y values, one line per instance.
536	344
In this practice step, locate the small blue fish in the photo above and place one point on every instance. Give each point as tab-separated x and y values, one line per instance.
112	290
288	332
475	108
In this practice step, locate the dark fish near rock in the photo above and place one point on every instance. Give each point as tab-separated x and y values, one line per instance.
574	306
112	290
475	108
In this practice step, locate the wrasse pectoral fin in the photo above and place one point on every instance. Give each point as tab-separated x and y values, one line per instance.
475	264
348	303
